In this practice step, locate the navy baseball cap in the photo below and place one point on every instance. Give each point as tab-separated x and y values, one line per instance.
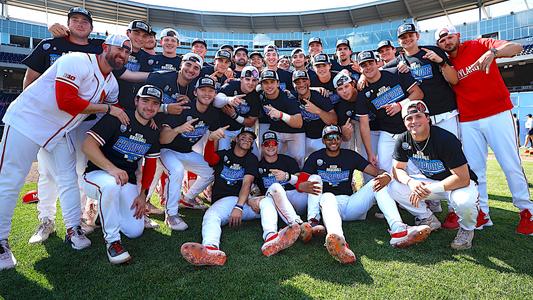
298	74
250	71
296	51
269	74
150	91
140	25
385	43
240	49
284	57
201	41
331	129
80	11
343	42
270	135
226	46
405	28
320	58
222	53
256	53
205	82
249	130
365	56
314	40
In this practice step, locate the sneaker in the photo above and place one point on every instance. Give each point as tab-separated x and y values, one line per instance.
451	222
117	254
525	226
434	206
463	239
483	220
43	231
338	248
200	255
431	221
281	240
409	236
318	230
76	238
7	259
176	223
192	204
150	224
153	210
306	232
86	227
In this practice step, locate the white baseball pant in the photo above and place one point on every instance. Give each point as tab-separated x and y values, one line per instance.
288	204
176	163
293	145
262	129
448	120
312	145
114	205
496	131
336	209
464	201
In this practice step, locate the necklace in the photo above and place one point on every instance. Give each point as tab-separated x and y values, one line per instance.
418	150
186	90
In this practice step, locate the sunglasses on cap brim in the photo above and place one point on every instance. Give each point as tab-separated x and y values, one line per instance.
270	143
332	137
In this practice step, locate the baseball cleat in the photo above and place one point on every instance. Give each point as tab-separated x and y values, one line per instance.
451	222
149	223
192	204
117	254
76	238
281	240
430	221
318	230
7	259
463	239
30	197
306	232
338	248
483	220
410	236
176	223
45	228
200	255
525	226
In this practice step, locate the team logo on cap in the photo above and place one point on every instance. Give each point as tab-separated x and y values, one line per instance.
153	92
141	25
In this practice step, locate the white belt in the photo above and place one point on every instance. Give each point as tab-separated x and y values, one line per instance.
444	116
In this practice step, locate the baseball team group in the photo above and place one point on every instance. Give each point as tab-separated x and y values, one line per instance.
256	135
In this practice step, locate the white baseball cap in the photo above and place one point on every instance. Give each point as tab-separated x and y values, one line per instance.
193	57
117	40
413	107
340	79
444	31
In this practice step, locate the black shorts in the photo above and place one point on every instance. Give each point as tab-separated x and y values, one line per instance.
530	132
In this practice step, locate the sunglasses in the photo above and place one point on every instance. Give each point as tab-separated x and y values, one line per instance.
332	137
270	143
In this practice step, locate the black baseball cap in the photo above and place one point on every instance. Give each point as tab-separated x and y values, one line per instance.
269	74
140	25
314	39
365	56
320	58
240	49
405	28
284	57
343	42
331	129
226	46
385	43
198	40
149	90
222	53
249	130
298	74
80	11
296	51
270	135
205	82
256	53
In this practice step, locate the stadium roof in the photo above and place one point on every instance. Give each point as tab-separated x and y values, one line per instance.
122	12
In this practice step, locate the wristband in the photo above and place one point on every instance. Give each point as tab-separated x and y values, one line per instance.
285	117
165	108
239	207
436	187
240	119
234	116
293	179
287	176
108	109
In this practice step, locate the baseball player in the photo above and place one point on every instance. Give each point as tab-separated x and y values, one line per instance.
150	43
256	60
219	69
283	115
284	63
114	150
386	51
199	47
322	77
168	60
445	173
73	86
271	60
315	46
344	59
178	136
483	100
386	89
327	176
529	131
239	104
235	171
317	111
298	61
240	57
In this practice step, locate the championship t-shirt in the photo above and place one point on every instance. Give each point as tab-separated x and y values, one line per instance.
336	172
249	106
137	62
230	171
124	145
285	80
315	82
266	178
168	82
284	104
160	62
434	156
313	124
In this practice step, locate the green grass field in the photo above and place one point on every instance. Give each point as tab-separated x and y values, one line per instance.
500	264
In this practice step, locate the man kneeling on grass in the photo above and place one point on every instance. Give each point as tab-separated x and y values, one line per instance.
235	170
114	151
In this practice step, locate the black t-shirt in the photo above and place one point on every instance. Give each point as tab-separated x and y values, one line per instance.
184	142
160	62
285	80
249	107
336	172
230	171
168	82
390	88
313	124
315	82
208	71
442	153
345	110
137	62
124	145
336	66
266	178
438	94
49	50
284	104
